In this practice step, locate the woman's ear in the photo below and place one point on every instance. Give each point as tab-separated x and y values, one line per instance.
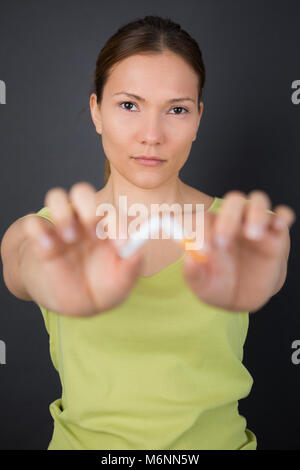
95	113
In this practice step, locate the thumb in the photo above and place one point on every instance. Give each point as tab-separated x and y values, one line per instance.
135	262
131	267
132	263
193	269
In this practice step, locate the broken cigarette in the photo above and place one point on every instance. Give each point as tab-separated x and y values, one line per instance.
137	239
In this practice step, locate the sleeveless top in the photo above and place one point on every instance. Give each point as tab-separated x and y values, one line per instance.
163	370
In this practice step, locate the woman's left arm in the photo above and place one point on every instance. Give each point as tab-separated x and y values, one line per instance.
248	249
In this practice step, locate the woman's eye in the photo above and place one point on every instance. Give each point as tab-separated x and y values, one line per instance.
180	107
127	102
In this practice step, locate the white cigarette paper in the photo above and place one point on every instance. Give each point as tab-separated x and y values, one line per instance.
138	238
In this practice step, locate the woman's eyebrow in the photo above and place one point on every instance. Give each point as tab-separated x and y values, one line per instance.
139	98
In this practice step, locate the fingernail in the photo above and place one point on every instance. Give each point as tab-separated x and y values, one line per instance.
254	231
45	242
221	241
69	234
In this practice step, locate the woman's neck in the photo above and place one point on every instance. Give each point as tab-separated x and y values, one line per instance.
171	192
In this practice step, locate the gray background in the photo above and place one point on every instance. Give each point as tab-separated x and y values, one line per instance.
248	139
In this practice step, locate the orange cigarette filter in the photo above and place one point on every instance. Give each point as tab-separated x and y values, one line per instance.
199	256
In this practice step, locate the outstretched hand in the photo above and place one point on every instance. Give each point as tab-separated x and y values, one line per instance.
248	249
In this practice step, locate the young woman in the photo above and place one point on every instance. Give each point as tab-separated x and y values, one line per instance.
148	348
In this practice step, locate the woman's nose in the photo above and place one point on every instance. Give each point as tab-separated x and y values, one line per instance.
151	130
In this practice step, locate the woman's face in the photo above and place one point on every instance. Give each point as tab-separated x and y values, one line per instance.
151	125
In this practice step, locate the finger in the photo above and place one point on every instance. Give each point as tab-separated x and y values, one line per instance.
193	271
42	233
83	198
257	217
284	216
228	221
67	226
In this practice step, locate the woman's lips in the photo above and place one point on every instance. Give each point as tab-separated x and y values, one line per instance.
148	161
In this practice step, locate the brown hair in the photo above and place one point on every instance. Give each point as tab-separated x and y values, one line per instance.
149	34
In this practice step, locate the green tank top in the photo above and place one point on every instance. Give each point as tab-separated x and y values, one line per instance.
161	371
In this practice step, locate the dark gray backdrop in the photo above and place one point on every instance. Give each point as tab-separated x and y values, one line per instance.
248	139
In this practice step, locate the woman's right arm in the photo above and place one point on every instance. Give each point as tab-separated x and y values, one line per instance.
80	277
17	254
22	268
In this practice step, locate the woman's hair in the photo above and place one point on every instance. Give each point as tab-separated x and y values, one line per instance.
151	34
